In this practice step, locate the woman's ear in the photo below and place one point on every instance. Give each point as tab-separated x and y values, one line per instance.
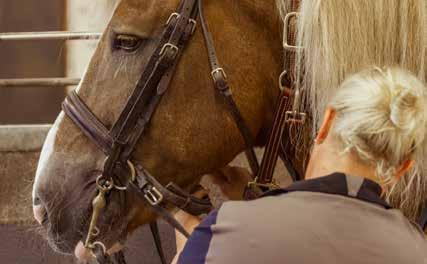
326	125
404	168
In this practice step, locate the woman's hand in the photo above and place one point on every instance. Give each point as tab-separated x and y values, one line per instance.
226	184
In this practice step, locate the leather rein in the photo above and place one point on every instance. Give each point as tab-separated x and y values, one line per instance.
118	143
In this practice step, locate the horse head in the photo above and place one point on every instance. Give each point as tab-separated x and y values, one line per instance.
191	132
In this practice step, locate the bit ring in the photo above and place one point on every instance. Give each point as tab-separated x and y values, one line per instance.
107	186
132	176
100	244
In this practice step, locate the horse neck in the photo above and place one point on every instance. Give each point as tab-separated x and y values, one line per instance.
266	18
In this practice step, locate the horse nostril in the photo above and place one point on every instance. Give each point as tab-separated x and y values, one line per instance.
36	201
39	211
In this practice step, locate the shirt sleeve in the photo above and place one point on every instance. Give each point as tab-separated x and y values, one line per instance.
197	246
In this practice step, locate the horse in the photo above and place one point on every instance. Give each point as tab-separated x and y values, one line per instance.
191	132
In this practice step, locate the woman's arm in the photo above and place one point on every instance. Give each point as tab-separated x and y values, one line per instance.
189	222
227	184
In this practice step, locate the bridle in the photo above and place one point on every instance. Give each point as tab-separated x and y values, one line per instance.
118	143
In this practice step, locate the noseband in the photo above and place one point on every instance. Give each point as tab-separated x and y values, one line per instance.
118	144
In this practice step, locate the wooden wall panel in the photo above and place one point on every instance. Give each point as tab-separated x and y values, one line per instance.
31	59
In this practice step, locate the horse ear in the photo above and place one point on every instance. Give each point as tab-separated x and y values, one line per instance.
326	125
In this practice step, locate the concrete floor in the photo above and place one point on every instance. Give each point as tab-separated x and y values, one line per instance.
20	245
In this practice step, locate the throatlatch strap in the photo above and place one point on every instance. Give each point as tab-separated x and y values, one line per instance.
221	84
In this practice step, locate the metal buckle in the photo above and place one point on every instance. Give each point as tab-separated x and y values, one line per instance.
169	46
219	70
271	186
295	117
153	196
286	45
281	80
193	24
172	16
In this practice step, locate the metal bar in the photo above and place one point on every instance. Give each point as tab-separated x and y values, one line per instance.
39	82
50	35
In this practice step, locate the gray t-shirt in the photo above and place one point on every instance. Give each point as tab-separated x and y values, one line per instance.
333	219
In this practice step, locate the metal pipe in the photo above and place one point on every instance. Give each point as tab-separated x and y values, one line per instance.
50	35
39	82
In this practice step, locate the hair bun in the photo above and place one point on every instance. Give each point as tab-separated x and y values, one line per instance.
405	108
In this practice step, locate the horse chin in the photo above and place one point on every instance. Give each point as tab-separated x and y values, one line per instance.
61	245
68	228
72	243
83	254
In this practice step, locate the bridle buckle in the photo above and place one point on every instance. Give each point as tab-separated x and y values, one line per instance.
153	196
295	117
219	70
168	46
193	23
286	45
172	16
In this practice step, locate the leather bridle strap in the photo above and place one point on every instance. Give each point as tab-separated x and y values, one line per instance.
162	87
279	129
143	188
170	194
147	86
221	84
283	120
83	117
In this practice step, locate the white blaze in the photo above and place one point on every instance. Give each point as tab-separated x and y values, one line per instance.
47	151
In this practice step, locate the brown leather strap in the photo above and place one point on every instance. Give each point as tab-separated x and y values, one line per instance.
157	67
140	187
162	87
290	56
272	148
221	84
174	195
88	123
165	56
278	130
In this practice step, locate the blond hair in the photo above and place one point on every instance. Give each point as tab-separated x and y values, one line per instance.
382	116
344	37
340	38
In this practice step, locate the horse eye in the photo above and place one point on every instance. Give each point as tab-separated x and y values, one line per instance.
127	43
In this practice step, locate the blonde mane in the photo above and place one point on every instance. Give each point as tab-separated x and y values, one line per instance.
343	37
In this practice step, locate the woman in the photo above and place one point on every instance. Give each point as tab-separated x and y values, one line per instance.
372	135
